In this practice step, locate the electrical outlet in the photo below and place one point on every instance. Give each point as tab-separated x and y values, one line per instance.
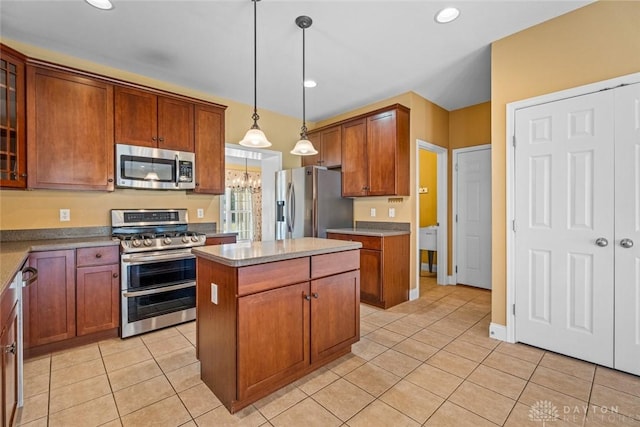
65	215
392	212
214	293
373	212
200	213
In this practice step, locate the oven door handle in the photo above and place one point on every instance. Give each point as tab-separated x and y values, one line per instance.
144	259
158	290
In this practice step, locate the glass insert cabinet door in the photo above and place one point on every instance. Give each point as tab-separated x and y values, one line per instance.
12	121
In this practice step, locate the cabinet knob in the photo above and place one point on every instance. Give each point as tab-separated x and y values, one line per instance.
153	138
115	275
315	295
110	180
307	297
98	255
10	348
161	139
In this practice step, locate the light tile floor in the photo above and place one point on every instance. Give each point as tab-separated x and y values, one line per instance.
425	362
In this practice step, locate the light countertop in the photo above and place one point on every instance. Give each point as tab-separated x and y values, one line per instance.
251	253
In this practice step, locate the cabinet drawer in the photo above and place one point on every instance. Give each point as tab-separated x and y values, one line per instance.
261	277
338	262
100	255
368	242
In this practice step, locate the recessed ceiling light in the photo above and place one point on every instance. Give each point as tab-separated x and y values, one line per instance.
310	83
447	14
101	4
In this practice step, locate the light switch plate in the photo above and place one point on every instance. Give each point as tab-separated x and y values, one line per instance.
392	212
200	213
214	293
373	212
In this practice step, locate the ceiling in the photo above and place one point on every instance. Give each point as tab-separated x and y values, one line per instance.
358	51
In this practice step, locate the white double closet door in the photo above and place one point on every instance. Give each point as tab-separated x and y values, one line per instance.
577	227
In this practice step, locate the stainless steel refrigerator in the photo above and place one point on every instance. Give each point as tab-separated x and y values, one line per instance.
308	201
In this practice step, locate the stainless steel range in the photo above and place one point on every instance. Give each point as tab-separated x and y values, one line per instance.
158	271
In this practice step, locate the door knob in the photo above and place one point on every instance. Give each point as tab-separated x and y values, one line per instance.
626	243
602	242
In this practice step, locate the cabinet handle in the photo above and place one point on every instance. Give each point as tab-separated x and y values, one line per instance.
115	275
307	297
34	275
10	348
315	295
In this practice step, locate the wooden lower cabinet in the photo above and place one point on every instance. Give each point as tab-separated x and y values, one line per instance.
268	327
50	301
97	289
384	267
76	296
220	240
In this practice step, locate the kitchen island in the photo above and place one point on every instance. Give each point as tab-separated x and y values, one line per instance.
269	313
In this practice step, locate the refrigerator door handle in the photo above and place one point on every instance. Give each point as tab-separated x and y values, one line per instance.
292	207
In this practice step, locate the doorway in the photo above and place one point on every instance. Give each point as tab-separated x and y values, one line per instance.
268	161
441	258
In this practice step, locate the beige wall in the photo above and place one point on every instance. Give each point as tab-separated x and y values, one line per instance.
594	43
40	208
429	180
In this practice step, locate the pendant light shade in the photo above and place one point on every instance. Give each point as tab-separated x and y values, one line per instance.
303	147
255	137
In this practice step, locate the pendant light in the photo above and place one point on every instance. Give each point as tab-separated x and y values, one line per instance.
303	147
255	137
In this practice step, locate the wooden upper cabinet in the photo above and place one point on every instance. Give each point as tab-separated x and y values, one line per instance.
149	120
375	154
354	158
328	142
209	149
13	158
69	131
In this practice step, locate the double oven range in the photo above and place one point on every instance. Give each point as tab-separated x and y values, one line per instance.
158	270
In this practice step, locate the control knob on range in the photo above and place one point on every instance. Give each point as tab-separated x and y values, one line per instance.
185	239
166	241
136	243
147	242
195	238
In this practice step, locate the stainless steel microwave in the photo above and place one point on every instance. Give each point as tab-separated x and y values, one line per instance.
154	168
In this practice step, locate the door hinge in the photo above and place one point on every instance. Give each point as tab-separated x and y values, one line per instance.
456	167
456	217
513	225
456	268
513	140
513	309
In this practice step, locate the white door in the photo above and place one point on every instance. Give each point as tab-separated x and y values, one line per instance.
473	213
627	226
564	193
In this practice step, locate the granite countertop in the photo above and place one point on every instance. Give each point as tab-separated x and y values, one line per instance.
14	253
361	231
251	253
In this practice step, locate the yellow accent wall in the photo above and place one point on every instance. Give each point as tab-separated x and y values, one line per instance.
597	42
429	180
40	208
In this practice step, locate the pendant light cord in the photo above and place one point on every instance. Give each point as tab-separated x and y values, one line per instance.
303	133
255	116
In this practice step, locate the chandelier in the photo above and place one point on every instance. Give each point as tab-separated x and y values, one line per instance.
246	184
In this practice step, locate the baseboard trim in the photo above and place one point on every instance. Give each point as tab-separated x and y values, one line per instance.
414	294
497	331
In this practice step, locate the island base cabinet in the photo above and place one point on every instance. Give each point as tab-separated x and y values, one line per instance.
276	321
256	337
